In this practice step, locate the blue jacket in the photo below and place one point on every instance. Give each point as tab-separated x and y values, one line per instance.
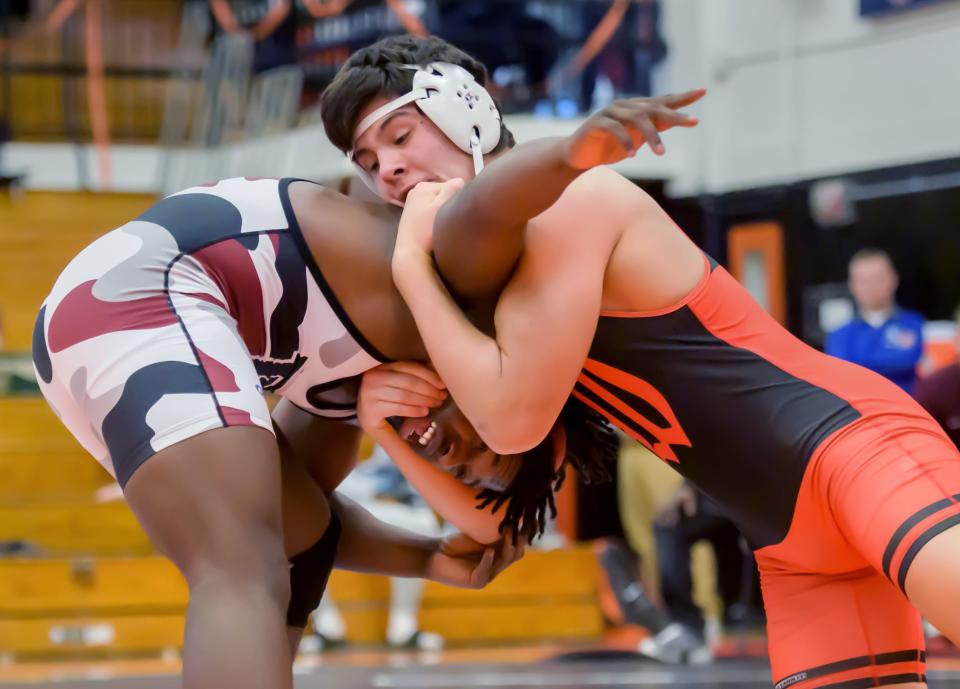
892	350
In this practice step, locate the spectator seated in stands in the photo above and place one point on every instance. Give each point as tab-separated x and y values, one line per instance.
882	337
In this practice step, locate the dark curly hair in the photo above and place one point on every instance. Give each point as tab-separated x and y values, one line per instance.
376	71
592	446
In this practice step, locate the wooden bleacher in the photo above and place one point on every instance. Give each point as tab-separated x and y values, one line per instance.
101	605
40	462
96	588
39	234
51	105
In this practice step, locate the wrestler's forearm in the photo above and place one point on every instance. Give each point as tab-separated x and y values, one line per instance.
470	362
370	545
479	233
517	186
449	497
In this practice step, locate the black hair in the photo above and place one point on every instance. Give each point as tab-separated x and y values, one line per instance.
376	71
592	446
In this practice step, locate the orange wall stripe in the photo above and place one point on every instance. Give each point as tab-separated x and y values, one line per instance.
599	37
767	239
96	93
410	21
58	15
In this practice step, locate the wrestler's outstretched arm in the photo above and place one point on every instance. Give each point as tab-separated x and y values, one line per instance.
478	235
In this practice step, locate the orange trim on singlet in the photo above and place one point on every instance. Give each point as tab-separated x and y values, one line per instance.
673	434
629	430
729	313
701	285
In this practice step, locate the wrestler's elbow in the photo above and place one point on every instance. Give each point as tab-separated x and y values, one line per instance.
515	431
487	533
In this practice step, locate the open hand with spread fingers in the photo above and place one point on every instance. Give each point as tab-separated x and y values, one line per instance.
619	130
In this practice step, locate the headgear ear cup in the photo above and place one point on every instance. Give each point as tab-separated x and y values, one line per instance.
455	102
459	106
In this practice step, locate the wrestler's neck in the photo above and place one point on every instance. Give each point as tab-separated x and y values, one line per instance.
490	157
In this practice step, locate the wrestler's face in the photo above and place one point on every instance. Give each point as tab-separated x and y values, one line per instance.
447	439
873	283
405	148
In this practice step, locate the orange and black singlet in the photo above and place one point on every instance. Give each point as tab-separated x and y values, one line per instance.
720	390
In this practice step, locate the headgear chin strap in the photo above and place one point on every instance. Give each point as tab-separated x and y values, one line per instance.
453	100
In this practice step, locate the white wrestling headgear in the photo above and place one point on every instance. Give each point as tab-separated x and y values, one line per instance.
454	101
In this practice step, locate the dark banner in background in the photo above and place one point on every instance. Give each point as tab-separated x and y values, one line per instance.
881	7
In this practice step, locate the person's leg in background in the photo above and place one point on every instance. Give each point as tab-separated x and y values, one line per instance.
644	482
403	620
621	567
379	487
737	582
600	520
676	582
677	527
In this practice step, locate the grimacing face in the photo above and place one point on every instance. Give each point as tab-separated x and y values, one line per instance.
445	438
405	148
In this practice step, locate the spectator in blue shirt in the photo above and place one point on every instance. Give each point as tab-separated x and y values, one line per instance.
882	337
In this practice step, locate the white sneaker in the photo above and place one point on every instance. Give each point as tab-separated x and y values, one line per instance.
676	645
421	641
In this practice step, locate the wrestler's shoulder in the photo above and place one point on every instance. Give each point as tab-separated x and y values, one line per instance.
600	199
607	190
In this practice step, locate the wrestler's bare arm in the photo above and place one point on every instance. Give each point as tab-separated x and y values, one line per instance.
448	496
478	235
370	545
395	390
329	451
326	448
513	386
456	560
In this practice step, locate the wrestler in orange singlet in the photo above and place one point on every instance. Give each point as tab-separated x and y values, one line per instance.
847	490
